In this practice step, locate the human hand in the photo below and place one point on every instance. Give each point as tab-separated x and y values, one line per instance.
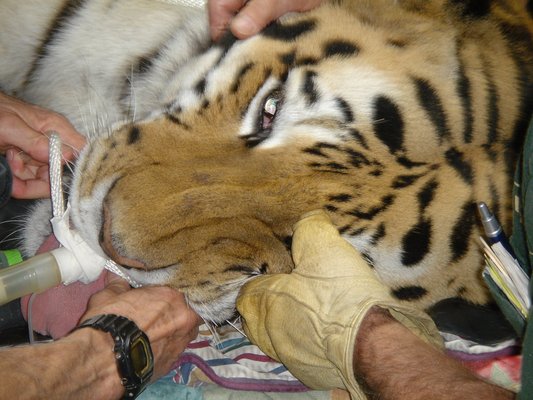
159	311
309	319
246	18
23	130
56	311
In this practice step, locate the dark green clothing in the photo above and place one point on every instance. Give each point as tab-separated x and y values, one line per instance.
522	242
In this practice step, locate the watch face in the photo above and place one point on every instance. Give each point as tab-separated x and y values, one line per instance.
139	354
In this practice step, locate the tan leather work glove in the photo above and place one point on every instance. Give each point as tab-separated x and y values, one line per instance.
309	319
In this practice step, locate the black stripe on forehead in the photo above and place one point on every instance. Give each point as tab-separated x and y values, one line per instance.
388	123
288	58
520	52
457	160
288	32
341	48
240	75
58	24
416	242
309	88
346	110
465	95
493	109
430	101
427	194
473	8
462	231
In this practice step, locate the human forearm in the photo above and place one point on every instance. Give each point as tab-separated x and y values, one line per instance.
392	363
83	364
80	366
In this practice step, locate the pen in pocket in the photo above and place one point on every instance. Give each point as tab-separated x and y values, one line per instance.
493	230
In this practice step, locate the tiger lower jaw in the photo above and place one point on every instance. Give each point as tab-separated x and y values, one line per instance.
161	276
215	312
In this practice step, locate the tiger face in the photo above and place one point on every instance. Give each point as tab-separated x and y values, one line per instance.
394	117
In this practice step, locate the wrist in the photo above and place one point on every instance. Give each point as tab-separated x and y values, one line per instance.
96	350
342	346
131	347
376	319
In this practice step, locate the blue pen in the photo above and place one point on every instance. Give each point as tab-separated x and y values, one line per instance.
493	229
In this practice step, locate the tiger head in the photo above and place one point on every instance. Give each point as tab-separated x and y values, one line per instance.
355	112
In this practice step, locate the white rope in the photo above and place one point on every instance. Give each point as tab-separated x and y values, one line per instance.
58	206
113	267
56	181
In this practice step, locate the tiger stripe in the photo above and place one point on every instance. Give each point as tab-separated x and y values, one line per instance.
69	9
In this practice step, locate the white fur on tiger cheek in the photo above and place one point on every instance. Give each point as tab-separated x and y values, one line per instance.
87	212
222	309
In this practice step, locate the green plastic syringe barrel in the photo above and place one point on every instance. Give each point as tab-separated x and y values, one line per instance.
34	275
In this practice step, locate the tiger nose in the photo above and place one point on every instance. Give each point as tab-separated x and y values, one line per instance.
109	241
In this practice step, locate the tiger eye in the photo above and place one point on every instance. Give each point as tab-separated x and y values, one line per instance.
271	106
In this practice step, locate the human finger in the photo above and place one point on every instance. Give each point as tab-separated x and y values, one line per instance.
109	298
23	166
161	312
15	132
220	14
30	189
23	124
257	14
30	177
116	284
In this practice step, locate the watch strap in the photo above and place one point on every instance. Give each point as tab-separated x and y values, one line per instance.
125	334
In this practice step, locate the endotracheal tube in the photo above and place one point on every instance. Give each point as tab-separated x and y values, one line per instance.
73	261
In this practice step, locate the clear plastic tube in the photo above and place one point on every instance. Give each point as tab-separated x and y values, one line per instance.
46	270
31	276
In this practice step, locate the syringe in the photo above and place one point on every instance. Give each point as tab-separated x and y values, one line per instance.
35	274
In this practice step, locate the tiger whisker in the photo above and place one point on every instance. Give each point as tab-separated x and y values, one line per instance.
233	325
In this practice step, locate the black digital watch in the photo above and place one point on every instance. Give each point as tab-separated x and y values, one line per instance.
133	353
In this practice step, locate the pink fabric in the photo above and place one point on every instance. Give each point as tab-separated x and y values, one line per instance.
56	311
504	371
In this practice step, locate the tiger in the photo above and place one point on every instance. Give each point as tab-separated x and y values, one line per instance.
395	117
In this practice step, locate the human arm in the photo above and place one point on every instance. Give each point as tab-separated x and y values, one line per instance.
333	296
82	364
394	364
246	18
23	129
